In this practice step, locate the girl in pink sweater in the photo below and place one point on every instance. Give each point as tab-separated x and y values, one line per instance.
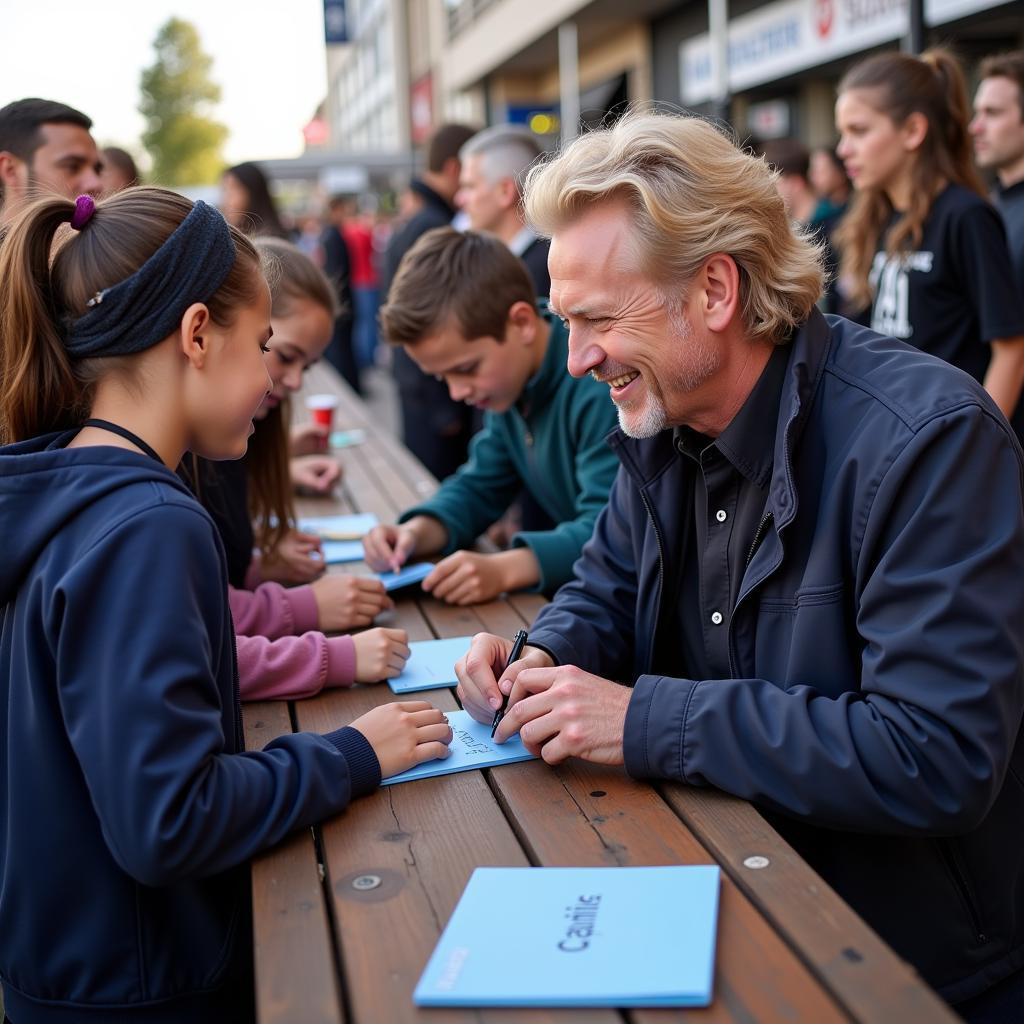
282	650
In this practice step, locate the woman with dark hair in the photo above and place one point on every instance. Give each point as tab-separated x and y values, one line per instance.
924	255
247	204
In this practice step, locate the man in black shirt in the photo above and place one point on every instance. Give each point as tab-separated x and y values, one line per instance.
808	572
434	428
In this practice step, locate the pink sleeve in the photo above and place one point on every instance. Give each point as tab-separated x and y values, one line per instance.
294	666
272	610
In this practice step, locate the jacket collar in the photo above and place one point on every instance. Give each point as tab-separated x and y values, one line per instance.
646	459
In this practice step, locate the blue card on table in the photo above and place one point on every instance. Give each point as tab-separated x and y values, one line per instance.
472	747
342	536
405	576
624	937
431	664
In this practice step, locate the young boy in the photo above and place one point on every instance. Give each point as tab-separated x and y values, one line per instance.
463	307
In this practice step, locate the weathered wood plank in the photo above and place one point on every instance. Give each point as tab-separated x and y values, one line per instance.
850	960
296	977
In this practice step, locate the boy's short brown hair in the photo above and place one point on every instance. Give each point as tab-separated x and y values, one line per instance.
469	276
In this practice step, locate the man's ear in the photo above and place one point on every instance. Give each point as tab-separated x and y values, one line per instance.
508	192
11	176
720	291
194	329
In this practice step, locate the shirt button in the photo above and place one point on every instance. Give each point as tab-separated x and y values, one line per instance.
721	515
716	618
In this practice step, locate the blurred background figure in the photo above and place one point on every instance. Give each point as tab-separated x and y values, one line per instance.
45	145
338	268
923	251
434	428
247	204
494	164
357	230
792	161
119	170
998	134
827	176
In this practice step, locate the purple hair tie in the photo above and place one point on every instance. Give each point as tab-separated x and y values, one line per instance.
85	207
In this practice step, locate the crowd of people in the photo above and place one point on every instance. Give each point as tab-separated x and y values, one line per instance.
756	419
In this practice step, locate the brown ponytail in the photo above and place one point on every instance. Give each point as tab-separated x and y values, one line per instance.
44	288
900	85
38	390
292	276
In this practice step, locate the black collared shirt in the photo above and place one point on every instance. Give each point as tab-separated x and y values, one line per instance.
729	480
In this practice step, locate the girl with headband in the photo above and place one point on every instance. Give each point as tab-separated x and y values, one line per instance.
274	660
125	835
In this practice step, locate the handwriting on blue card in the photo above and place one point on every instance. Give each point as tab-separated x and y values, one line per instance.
431	664
624	937
471	747
406	575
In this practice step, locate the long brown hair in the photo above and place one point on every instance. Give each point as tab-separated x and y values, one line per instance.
41	389
291	276
900	85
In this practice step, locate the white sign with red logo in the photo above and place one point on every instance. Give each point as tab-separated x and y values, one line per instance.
788	36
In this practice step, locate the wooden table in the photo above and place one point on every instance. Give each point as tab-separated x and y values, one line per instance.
347	914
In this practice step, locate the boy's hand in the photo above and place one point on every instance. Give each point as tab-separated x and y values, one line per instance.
471	578
387	548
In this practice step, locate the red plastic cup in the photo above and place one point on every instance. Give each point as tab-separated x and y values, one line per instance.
322	409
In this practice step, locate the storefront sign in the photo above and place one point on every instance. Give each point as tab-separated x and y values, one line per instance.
788	36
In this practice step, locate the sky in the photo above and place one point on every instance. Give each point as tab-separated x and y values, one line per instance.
268	58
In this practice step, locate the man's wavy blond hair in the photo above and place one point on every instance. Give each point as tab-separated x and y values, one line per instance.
693	193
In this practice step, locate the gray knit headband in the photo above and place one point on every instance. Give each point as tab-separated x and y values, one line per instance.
143	309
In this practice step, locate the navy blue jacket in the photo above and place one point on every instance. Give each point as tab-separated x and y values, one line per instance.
127	808
876	645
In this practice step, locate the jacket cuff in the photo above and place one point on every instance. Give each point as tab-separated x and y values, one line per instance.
451	529
302	603
341	661
555	556
363	766
655	733
556	645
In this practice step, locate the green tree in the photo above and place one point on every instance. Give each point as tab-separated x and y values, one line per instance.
177	95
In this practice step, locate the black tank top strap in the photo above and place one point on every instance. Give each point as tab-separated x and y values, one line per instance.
116	428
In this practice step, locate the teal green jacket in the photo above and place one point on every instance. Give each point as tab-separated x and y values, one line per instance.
552	442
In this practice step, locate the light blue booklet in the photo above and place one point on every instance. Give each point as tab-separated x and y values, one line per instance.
431	664
472	747
626	937
342	536
414	573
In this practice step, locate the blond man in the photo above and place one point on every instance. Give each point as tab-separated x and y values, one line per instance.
808	572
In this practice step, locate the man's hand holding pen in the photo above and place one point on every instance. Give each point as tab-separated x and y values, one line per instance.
559	711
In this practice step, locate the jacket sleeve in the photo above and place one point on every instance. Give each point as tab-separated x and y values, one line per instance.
273	611
293	667
594	469
477	494
923	746
141	639
590	623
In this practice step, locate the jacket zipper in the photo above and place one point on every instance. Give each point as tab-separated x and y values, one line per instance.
661	576
758	537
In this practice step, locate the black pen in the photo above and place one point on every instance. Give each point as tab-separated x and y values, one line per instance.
518	643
